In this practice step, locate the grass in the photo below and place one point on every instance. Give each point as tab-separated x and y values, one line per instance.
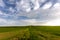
7	29
30	33
45	32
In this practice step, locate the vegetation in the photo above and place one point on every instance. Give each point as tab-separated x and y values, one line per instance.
30	33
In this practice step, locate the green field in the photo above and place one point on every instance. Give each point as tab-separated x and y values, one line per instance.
30	33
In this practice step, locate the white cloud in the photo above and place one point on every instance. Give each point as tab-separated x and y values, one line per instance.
31	21
11	9
55	22
34	22
6	22
2	13
43	14
1	3
47	5
42	1
36	4
57	5
35	16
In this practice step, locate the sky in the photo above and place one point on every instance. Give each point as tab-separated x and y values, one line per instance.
29	12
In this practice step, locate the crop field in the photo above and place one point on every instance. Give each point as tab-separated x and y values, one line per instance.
30	33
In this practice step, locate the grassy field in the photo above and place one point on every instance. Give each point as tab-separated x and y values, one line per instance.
30	33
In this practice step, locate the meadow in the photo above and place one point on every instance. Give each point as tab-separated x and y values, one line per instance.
30	33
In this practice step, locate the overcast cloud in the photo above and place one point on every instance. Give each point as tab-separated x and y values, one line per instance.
29	12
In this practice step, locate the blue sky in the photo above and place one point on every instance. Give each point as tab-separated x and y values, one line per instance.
29	12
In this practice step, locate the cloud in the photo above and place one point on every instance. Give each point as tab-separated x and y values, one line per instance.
4	22
1	3
55	22
25	16
34	22
47	5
